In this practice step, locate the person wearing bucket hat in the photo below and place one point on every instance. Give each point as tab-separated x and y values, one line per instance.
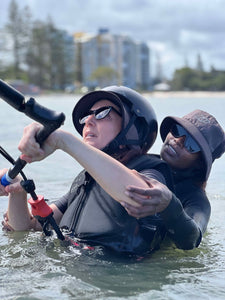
118	126
191	144
205	130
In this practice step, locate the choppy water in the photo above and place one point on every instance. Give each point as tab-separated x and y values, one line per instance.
33	267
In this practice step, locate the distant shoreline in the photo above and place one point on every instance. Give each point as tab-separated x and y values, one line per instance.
185	94
154	94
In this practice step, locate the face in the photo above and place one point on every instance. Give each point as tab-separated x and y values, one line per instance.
176	155
98	133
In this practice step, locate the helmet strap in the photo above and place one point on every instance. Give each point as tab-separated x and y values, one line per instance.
121	139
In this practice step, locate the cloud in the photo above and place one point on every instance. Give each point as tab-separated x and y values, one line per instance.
176	30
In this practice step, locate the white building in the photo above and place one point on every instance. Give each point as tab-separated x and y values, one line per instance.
128	59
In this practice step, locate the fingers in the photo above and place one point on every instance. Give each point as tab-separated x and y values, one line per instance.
140	212
5	224
140	199
28	144
30	149
3	192
141	191
149	181
134	189
14	188
26	158
137	193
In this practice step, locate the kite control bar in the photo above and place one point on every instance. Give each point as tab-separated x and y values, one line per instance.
48	118
50	121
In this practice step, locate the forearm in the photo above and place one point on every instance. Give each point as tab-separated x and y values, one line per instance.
108	172
19	216
181	228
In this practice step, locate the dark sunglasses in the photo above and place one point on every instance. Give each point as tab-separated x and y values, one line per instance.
190	144
99	113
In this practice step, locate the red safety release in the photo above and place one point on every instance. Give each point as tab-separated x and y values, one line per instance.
40	207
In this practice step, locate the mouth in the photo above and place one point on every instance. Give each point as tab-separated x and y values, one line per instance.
89	135
171	150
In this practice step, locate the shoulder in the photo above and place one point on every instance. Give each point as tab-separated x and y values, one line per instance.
146	161
153	162
155	174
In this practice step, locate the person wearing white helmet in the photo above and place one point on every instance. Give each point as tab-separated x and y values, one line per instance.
118	127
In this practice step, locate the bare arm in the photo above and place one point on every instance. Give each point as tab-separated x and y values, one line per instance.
108	172
18	216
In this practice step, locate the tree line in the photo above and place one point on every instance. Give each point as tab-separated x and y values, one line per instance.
39	51
198	80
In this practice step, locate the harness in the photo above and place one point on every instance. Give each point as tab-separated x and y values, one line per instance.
95	218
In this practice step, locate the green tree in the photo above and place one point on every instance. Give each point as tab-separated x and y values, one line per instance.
218	82
104	76
182	78
19	29
48	59
37	56
193	80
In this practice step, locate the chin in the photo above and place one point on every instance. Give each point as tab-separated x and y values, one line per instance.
167	158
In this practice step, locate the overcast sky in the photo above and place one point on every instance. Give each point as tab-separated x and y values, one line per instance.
176	30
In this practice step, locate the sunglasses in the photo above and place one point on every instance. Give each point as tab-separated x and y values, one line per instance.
190	144
99	113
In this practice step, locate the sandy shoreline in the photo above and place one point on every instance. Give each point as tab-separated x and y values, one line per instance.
154	94
185	94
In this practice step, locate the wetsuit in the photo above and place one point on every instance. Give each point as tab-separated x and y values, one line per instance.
188	213
92	216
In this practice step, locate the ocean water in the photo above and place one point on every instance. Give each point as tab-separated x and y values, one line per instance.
36	267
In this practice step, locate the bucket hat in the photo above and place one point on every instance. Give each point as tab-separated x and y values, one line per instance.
204	129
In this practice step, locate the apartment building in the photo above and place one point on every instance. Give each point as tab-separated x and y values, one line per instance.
104	59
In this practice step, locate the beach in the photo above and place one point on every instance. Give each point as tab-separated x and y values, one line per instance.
185	94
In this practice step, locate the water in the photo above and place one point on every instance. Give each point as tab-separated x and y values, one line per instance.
33	267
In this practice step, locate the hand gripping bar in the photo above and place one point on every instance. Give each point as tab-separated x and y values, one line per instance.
50	120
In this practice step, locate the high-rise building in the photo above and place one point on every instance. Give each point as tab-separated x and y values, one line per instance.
122	61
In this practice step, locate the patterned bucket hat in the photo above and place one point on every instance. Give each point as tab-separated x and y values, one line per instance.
205	130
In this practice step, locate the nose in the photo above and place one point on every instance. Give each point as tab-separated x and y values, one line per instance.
90	120
180	140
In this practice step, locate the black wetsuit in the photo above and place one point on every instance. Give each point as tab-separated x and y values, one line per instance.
187	216
93	217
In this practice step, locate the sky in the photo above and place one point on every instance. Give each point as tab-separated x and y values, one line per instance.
177	31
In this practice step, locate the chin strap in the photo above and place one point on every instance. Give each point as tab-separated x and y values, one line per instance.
122	140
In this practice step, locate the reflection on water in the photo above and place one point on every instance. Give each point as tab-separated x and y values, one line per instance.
36	267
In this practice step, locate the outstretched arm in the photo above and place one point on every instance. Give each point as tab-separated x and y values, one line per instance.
108	172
